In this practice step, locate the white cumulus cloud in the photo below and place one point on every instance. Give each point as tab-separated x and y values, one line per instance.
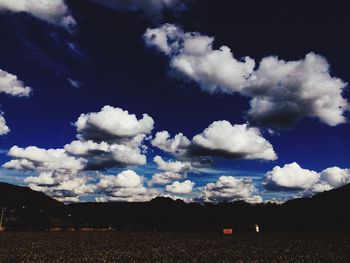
220	139
63	186
126	186
11	85
112	124
229	188
111	137
52	11
292	176
335	176
180	187
126	179
178	145
103	155
284	92
34	158
59	175
281	92
106	139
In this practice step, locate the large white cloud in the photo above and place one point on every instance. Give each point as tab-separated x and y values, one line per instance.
232	141
286	91
112	124
180	187
335	176
34	158
103	155
84	148
153	9
126	186
52	11
178	145
292	176
111	137
63	186
281	92
192	54
59	175
126	179
11	85
220	139
229	188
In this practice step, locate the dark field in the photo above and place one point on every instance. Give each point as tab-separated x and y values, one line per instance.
172	247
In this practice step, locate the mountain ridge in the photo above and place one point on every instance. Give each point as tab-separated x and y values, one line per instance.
327	211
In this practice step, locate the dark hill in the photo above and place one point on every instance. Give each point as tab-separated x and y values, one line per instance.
13	196
28	209
328	211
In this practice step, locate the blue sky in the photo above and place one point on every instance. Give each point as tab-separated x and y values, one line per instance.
102	56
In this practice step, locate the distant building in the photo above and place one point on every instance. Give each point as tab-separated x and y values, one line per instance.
227	231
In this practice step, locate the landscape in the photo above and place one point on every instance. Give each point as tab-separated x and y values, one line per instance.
174	131
40	229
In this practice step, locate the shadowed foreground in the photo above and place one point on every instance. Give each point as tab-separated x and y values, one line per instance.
172	247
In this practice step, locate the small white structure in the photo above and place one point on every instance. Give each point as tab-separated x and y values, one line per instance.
257	229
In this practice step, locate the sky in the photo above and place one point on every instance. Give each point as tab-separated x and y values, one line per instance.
124	100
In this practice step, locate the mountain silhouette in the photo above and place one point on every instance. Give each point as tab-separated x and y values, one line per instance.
327	211
13	196
27	209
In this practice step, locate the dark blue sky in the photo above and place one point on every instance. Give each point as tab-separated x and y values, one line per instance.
108	60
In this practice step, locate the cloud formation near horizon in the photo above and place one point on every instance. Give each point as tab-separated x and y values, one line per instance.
229	189
292	176
126	186
109	138
281	92
62	185
58	174
180	187
52	11
113	138
220	139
